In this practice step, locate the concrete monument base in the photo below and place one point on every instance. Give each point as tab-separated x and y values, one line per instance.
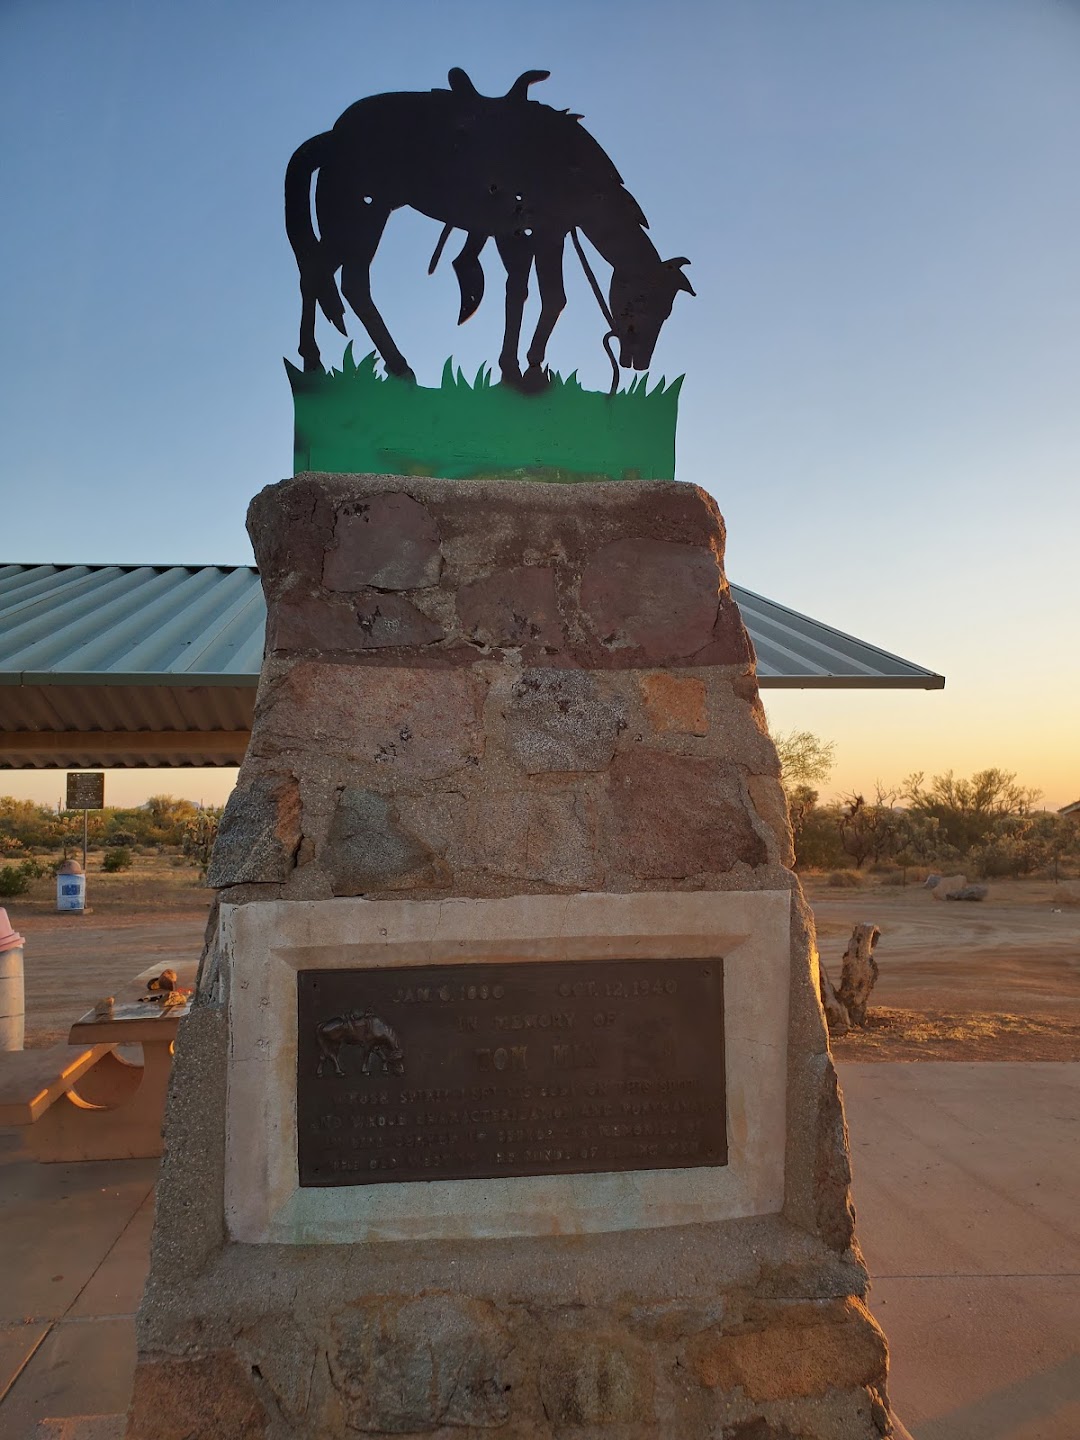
504	727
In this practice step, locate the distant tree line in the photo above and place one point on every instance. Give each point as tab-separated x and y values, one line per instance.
35	839
988	825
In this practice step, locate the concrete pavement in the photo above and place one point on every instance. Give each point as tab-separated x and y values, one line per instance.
967	1179
75	1242
967	1185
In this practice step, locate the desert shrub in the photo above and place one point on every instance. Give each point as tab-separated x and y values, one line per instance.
122	838
893	877
200	835
844	880
29	823
118	858
805	760
35	869
13	881
818	845
968	812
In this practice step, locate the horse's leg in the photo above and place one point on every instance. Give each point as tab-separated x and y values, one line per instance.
328	1051
517	254
324	1052
317	284
470	274
309	347
549	279
358	251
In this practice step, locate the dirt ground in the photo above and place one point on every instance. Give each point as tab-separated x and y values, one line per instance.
993	980
997	979
153	914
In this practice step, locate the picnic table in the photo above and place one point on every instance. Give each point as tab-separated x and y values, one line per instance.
101	1104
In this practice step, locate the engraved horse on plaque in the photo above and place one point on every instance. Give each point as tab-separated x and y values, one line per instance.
364	1028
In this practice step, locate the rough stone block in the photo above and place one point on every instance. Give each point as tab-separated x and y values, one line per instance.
832	1170
771	805
557	720
538	837
729	644
414	723
419	1365
388	541
794	1350
651	597
259	833
515	608
372	622
201	1398
672	816
757	1429
285	1358
290	525
674	704
591	1378
368	849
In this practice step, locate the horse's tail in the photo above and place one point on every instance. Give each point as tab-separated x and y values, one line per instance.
316	271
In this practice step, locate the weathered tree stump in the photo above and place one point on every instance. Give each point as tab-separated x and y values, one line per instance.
836	1016
846	1005
859	973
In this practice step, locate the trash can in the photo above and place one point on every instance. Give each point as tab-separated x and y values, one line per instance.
70	886
12	1001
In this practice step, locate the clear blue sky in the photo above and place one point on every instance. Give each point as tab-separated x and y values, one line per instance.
881	201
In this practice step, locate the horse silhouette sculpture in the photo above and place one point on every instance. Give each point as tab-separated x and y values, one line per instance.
505	168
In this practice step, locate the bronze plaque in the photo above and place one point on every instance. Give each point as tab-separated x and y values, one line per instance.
86	790
530	1068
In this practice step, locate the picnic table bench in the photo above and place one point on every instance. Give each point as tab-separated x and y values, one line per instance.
85	1100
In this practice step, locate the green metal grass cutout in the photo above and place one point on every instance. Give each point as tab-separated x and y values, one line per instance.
354	420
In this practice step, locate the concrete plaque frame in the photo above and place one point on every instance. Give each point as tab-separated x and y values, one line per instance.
264	945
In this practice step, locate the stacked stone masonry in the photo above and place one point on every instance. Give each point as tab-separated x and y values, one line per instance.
487	689
484	689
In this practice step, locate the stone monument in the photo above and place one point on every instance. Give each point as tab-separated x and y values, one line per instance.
506	1105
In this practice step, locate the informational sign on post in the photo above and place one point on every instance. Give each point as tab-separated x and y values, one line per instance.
86	790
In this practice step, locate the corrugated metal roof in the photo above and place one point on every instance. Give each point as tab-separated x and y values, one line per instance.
800	653
176	649
203	624
61	624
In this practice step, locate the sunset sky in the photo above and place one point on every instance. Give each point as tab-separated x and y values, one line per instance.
881	203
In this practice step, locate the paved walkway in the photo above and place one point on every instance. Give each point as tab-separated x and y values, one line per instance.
967	1178
967	1184
75	1242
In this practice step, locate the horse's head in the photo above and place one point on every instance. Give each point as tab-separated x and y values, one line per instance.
641	301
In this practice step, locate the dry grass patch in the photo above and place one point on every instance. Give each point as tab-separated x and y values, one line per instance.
154	884
893	1034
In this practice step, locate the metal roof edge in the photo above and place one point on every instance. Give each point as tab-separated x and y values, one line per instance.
843	634
927	680
193	680
129	565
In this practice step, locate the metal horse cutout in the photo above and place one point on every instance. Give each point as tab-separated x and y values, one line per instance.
503	167
363	1028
